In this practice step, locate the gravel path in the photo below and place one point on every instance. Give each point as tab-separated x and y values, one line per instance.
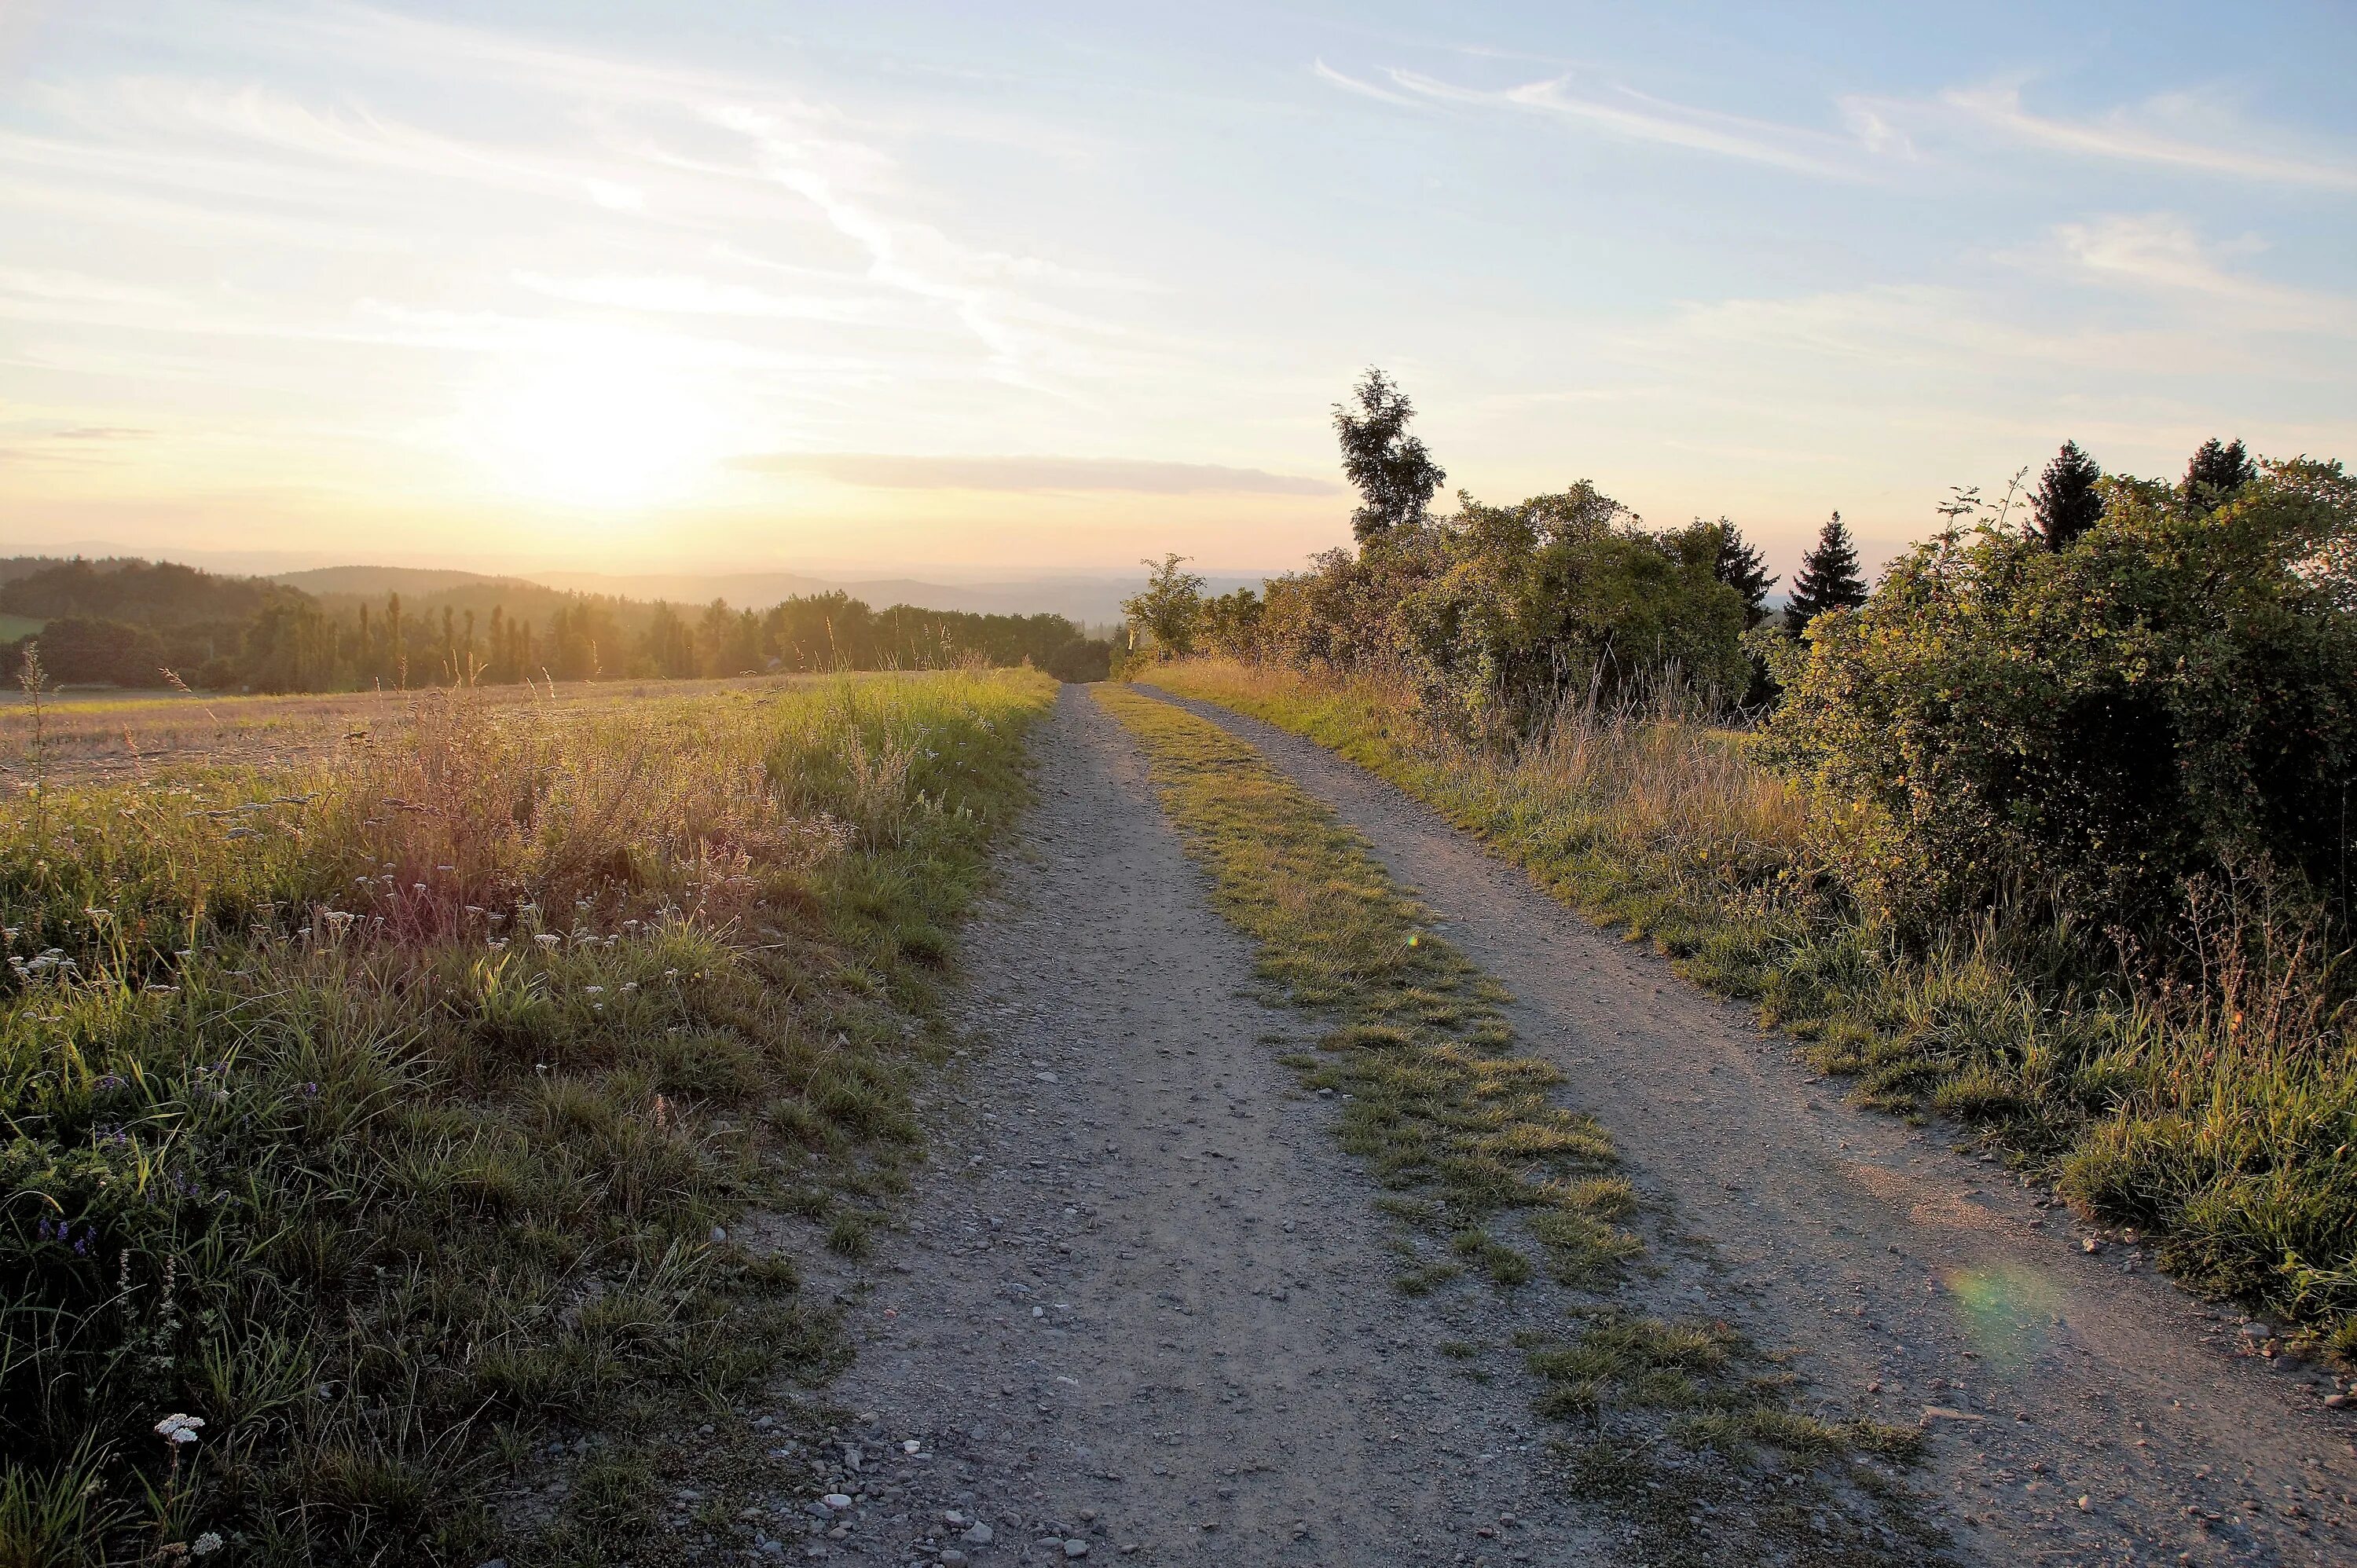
1143	1306
2085	1409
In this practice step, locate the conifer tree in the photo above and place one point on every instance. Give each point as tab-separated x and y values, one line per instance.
2066	503
1392	470
1827	579
1741	567
2218	470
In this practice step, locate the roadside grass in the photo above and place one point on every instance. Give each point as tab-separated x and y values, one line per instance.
2219	1115
395	1114
1464	1138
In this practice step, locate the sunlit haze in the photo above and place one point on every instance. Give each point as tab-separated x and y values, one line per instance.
516	285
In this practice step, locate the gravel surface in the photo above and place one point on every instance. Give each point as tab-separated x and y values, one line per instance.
1143	1309
2085	1409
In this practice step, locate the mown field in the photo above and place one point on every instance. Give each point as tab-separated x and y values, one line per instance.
373	1118
2217	1116
110	735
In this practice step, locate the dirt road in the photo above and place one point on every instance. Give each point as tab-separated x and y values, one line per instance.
1144	1301
1144	1305
1906	1275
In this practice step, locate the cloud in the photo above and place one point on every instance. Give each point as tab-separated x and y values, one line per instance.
2181	130
101	433
2162	252
883	472
1328	74
1626	115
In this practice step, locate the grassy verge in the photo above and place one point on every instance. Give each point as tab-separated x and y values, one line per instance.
1685	1428
382	1118
2222	1117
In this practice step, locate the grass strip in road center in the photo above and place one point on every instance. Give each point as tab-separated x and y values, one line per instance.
1688	1431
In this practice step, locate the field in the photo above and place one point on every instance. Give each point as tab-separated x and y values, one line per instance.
105	734
380	1111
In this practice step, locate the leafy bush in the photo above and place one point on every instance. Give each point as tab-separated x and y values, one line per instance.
2084	730
1497	615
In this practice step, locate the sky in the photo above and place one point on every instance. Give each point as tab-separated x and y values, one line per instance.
1000	289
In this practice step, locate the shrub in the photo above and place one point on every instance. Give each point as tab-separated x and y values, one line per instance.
2089	728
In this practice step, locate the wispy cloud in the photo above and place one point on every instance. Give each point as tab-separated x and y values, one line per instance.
2180	130
2164	253
1112	474
1624	113
1328	74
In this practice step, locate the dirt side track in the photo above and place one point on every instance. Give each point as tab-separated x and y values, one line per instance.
1916	1284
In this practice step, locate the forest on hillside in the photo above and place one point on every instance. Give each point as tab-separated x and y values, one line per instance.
130	622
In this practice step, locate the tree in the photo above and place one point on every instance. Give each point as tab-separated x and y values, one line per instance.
1391	469
1741	566
2067	502
2219	469
1170	608
1827	579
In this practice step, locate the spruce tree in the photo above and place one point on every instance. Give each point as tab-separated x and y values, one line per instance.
1827	579
1741	567
2218	470
1391	469
2066	503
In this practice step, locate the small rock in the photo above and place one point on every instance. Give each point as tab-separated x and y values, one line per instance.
2335	1402
978	1535
718	1235
952	1556
2086	1503
2091	1245
836	1501
1075	1548
2256	1330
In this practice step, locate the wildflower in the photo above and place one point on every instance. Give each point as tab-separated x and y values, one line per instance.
592	991
630	985
205	1545
243	832
418	888
547	940
446	868
177	1429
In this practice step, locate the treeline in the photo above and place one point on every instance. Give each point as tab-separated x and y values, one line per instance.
2077	701
129	622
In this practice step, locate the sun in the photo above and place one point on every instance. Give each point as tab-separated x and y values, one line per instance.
611	423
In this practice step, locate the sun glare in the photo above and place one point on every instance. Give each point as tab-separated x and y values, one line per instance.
612	425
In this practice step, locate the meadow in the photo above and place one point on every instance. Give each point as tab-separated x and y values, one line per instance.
2212	1113
377	1119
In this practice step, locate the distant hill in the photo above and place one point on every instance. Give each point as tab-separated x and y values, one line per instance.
160	594
375	582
